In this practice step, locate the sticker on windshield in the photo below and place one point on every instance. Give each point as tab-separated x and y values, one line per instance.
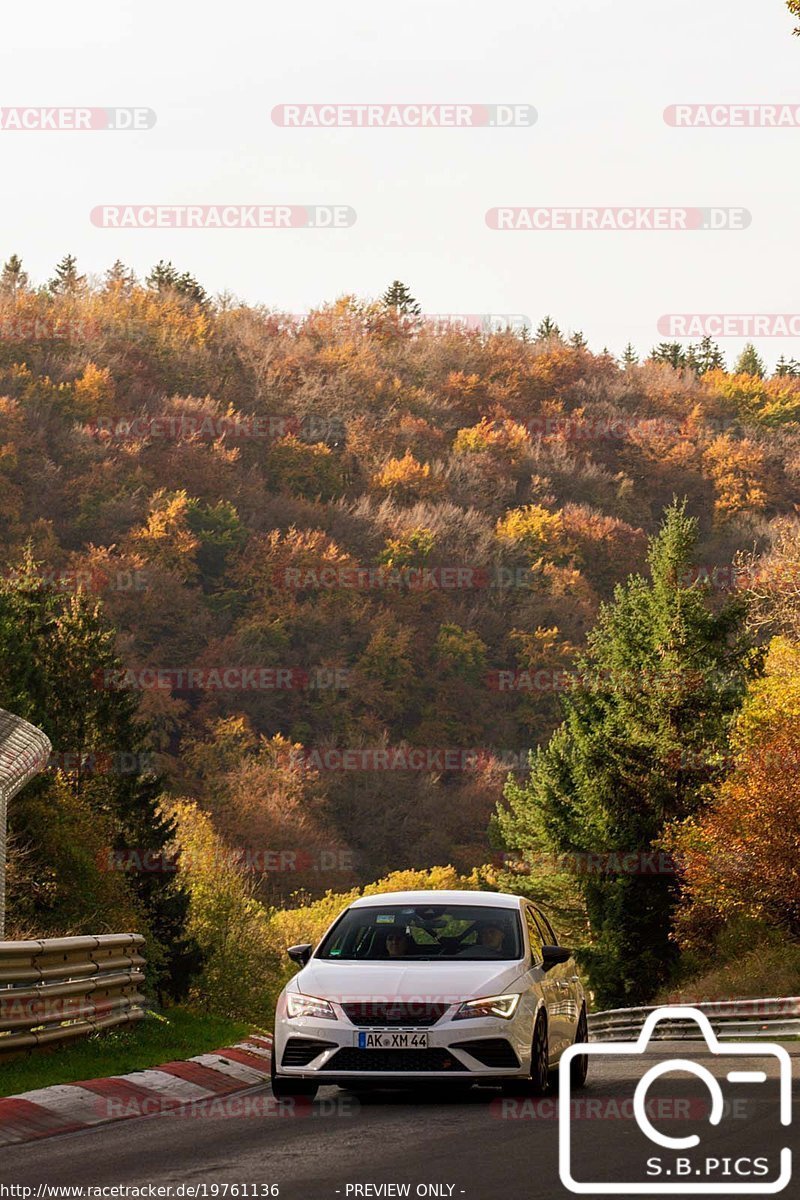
384	919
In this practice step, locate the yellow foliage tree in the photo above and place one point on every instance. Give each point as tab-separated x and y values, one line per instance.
738	470
166	538
533	528
406	479
94	392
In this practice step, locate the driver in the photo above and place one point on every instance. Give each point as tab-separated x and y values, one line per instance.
398	943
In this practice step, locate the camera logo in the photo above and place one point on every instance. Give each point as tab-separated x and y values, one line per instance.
678	1171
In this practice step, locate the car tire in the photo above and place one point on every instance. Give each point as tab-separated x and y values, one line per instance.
579	1067
539	1081
284	1088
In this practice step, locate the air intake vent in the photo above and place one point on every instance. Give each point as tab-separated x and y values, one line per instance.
298	1052
414	1061
492	1052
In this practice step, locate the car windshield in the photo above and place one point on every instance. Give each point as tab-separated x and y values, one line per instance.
422	933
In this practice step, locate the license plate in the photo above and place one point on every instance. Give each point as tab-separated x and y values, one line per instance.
390	1039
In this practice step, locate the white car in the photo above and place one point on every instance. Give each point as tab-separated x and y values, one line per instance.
405	987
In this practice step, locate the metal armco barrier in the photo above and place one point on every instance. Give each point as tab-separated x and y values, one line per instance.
24	753
65	988
773	1018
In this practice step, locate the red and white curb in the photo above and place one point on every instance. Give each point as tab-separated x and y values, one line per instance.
194	1086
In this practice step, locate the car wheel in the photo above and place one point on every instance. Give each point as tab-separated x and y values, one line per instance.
538	1084
283	1088
579	1067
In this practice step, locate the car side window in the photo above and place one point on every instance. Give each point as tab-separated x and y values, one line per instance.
548	933
534	935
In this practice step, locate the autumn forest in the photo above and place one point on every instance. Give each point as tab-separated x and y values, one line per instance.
317	585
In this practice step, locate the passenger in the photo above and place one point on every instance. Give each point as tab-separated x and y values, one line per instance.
491	937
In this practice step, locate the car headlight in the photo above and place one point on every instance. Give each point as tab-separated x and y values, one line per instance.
298	1005
488	1006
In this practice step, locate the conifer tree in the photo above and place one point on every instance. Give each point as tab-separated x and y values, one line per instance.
164	277
66	281
629	357
13	278
704	357
787	367
59	669
655	692
547	328
750	362
669	352
119	276
398	297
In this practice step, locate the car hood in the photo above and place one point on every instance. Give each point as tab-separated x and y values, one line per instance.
430	982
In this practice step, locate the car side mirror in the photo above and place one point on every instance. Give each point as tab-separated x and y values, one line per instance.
553	955
300	954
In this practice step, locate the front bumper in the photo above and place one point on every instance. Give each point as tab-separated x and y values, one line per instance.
476	1049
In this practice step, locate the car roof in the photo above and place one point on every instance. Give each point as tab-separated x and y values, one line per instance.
484	899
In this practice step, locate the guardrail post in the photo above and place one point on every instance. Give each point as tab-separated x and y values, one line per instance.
24	753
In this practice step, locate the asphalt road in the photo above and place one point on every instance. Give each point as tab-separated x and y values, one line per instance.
478	1146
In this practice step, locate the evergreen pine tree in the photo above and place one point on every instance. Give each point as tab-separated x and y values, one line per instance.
164	277
705	357
669	352
629	358
13	278
578	341
119	277
547	328
66	281
654	696
787	367
749	362
57	657
399	298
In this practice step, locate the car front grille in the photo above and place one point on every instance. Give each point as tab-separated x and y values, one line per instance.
394	1012
492	1052
386	1061
298	1052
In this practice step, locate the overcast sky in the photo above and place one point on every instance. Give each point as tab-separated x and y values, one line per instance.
599	72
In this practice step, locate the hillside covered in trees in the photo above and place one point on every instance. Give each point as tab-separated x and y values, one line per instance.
328	576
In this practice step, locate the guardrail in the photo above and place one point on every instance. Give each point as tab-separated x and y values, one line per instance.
773	1018
24	752
65	988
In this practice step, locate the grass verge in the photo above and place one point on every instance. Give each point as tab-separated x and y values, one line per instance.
759	973
176	1034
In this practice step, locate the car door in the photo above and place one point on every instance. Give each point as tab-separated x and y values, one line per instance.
566	985
545	983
